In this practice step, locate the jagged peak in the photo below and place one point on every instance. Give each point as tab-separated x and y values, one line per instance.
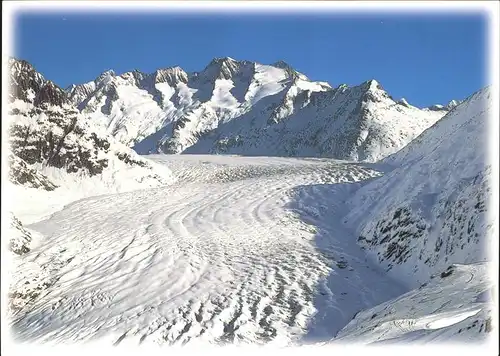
135	76
106	75
175	70
171	75
222	68
80	91
452	104
13	60
342	86
448	107
51	84
70	88
403	102
281	64
437	107
292	73
16	66
29	85
372	91
372	85
222	60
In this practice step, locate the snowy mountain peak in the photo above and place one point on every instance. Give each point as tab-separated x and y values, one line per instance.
105	77
281	64
244	107
291	72
223	60
452	104
17	66
224	68
403	102
374	92
28	85
372	85
437	107
50	138
172	76
25	80
448	107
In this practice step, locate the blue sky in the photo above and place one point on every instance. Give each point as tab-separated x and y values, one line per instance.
425	58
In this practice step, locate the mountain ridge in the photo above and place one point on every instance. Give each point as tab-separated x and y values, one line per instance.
278	64
174	111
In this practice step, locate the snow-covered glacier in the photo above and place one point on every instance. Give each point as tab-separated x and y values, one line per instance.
328	215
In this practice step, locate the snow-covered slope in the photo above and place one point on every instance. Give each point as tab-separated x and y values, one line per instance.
430	210
242	107
361	123
456	305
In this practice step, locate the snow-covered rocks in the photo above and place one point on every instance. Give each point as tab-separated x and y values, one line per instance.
430	210
21	238
58	155
403	102
48	135
21	174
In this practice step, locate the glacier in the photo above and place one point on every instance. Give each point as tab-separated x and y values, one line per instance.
245	204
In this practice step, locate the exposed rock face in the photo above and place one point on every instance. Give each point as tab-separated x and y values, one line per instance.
26	287
25	82
54	148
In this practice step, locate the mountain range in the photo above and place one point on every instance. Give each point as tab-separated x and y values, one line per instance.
248	108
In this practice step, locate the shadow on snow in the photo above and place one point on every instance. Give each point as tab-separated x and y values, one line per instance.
354	282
